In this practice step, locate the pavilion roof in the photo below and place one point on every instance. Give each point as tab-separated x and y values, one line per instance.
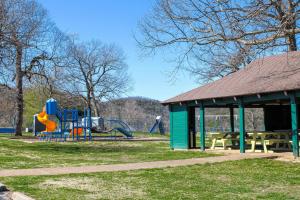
264	75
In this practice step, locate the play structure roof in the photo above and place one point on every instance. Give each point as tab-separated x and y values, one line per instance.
265	75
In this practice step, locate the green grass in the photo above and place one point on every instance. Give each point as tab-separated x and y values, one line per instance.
247	179
17	154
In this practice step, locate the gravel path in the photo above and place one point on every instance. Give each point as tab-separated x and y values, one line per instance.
130	166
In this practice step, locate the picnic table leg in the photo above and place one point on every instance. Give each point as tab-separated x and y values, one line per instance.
213	143
253	142
253	145
224	144
264	144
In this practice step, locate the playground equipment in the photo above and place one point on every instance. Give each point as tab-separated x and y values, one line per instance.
121	126
68	123
56	123
101	125
158	124
43	117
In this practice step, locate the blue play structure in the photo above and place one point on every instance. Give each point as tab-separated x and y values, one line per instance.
68	123
158	124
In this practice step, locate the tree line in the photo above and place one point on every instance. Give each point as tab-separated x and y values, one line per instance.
35	52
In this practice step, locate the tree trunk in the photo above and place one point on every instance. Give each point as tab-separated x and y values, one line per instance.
88	100
292	25
94	104
292	43
19	87
95	108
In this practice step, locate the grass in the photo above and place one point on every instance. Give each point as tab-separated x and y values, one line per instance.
17	154
246	179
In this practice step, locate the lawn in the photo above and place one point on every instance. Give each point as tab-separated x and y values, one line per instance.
246	179
18	154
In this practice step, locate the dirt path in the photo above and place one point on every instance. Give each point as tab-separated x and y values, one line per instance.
129	166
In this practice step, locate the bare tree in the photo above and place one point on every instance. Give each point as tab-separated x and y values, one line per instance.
30	44
213	38
97	72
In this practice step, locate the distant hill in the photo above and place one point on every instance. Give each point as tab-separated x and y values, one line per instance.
138	112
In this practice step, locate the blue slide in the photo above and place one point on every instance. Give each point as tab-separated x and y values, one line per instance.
154	127
158	124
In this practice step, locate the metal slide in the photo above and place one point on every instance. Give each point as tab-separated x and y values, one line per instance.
121	126
124	132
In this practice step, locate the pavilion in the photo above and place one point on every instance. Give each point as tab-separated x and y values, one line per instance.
271	83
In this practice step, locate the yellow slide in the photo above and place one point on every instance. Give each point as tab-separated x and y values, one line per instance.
44	119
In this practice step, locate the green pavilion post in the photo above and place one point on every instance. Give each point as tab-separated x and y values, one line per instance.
202	127
242	126
171	126
294	119
231	119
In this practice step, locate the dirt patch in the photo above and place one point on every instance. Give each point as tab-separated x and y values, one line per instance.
97	188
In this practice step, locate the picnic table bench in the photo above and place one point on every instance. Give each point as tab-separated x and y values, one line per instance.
266	138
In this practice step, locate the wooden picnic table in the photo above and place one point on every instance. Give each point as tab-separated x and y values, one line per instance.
266	138
223	138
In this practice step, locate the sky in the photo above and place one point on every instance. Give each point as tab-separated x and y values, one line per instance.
116	21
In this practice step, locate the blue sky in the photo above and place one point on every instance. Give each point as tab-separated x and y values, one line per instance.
115	21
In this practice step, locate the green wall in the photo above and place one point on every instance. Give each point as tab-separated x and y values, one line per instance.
179	127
